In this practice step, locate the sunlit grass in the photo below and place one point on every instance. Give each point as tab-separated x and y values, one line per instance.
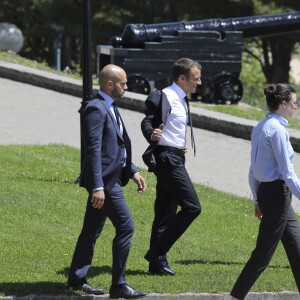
41	213
246	112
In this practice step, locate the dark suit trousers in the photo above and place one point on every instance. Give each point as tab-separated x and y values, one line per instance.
116	209
279	222
174	188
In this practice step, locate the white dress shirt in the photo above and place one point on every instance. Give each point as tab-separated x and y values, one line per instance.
174	131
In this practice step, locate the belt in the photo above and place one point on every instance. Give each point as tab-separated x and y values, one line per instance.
277	181
174	150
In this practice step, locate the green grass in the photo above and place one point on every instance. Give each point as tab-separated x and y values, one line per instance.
41	214
246	112
17	59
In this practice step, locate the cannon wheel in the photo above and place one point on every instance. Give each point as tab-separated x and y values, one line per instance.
204	93
227	89
138	84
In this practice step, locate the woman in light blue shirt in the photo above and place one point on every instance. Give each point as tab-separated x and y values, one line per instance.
273	181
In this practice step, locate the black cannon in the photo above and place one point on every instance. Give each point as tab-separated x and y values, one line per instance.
147	52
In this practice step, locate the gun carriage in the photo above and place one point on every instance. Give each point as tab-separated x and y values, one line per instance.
147	52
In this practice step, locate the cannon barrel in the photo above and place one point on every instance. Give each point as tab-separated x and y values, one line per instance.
134	35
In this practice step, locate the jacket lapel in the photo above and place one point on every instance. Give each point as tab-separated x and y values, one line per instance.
117	128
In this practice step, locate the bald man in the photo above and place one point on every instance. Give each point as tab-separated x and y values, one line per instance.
106	168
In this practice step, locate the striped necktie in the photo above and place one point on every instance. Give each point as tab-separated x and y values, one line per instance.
191	124
116	113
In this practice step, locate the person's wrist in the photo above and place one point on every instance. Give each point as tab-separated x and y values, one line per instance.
135	174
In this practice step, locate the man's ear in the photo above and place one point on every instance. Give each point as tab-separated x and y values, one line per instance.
110	83
181	77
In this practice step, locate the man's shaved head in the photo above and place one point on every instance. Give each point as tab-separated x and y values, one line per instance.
113	81
110	72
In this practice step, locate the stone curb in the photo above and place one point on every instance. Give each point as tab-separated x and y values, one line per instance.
208	120
213	121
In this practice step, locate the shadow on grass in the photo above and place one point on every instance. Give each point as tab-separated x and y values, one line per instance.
53	288
206	262
28	288
96	271
218	262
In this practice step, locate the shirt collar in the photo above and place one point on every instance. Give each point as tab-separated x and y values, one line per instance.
107	98
179	91
281	120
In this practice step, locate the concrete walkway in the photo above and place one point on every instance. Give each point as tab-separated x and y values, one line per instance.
46	111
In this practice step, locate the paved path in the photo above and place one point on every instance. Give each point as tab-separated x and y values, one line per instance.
34	115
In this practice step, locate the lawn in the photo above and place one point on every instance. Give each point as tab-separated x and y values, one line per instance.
244	111
41	214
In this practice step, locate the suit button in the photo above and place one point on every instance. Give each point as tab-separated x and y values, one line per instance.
123	146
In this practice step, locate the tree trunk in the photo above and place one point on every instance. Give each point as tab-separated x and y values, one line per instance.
277	53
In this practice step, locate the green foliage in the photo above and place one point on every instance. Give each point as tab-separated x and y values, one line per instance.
253	81
275	6
41	21
41	213
109	15
277	49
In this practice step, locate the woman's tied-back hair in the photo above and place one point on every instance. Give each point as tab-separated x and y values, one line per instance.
182	67
276	93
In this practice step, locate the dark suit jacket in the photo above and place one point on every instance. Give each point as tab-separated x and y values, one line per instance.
104	148
157	111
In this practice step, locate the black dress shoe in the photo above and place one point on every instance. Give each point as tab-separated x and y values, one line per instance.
154	271
86	288
124	291
159	262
